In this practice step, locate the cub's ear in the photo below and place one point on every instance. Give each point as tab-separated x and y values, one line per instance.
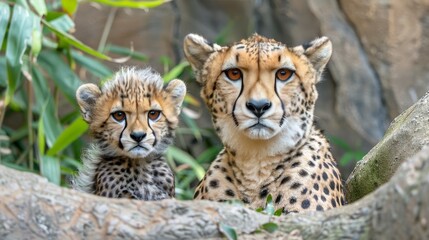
197	50
319	52
175	92
87	95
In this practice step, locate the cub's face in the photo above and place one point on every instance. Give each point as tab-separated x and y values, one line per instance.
259	88
132	115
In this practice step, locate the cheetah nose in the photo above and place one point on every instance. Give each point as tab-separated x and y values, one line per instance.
258	107
137	136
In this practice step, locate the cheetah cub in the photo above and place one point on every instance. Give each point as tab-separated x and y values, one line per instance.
132	119
261	95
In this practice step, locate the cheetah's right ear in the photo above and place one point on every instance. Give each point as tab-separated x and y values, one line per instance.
197	50
175	93
87	95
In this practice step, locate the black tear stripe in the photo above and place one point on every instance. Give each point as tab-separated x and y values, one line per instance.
148	123
235	103
120	136
283	106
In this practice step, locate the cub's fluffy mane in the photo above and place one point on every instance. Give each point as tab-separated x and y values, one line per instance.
127	77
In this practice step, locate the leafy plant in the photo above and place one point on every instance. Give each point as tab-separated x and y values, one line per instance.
270	211
42	131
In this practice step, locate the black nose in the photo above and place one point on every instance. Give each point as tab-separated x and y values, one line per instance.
137	136
258	107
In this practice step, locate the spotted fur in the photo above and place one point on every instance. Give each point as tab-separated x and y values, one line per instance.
265	123
126	158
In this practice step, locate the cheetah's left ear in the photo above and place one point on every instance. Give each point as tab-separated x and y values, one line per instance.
197	50
175	92
319	52
86	96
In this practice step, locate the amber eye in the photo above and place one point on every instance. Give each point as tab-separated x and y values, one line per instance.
118	116
154	114
284	74
233	74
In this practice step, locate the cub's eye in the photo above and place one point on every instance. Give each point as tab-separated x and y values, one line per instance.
233	74
118	116
154	114
284	74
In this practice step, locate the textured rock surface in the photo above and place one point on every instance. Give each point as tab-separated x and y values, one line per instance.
32	208
395	35
407	134
358	92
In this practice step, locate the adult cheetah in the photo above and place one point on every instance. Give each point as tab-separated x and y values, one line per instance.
261	94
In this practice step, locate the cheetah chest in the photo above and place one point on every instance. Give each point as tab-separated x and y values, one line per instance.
127	178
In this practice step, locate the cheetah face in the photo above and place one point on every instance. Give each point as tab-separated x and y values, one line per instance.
259	88
132	115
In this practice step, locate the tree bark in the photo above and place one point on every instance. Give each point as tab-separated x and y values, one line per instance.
406	136
33	208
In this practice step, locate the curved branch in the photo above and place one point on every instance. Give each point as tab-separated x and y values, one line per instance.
33	207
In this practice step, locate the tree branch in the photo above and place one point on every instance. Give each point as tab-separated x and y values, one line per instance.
32	207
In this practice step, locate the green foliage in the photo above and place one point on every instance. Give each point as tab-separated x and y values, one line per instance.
270	227
270	211
39	59
350	154
228	231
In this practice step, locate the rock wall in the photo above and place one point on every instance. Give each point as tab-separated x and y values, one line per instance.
378	68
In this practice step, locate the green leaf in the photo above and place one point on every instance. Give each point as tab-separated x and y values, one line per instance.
95	67
184	158
269	207
270	227
259	209
39	6
50	168
41	132
22	3
340	143
41	89
69	135
71	163
76	43
3	73
126	52
18	37
61	74
70	6
36	39
4	19
228	231
209	154
62	23
51	122
278	212
131	4
175	72
269	199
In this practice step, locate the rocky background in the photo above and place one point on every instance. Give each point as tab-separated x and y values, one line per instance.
378	68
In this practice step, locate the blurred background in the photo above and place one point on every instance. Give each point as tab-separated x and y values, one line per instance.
48	48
